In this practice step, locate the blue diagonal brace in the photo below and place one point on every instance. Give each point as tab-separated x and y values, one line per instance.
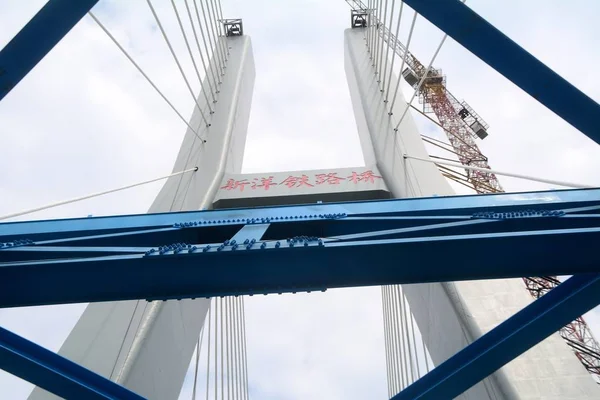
37	38
525	329
54	373
511	60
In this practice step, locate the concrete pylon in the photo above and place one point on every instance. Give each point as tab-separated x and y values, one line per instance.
147	346
451	315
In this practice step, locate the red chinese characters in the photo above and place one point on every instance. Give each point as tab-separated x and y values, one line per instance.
367	176
330	178
296	181
232	184
292	182
263	183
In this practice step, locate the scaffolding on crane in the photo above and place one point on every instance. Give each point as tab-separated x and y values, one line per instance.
463	126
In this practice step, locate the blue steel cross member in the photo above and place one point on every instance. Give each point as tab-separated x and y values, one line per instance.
321	246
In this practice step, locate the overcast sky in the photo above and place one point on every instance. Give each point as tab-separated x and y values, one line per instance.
84	120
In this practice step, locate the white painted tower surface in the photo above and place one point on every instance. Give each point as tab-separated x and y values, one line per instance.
452	315
147	346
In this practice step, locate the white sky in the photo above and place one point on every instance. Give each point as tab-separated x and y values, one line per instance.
84	121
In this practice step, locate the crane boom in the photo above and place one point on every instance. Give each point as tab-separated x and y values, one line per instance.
462	125
459	120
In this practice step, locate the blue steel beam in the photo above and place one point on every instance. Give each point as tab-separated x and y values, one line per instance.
341	245
303	266
37	38
515	63
513	337
54	373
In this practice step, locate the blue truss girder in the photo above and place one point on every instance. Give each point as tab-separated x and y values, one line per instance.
299	248
54	373
37	38
511	60
513	337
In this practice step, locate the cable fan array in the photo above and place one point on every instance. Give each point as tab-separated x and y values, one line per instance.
222	344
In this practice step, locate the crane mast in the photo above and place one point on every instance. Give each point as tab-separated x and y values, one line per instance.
462	126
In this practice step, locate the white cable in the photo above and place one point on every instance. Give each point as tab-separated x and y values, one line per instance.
187	83
387	91
212	29
400	353
403	337
213	47
211	66
389	44
401	361
228	341
405	333
216	349
368	25
208	349
496	172
222	357
386	339
221	17
187	44
89	196
245	352
395	342
233	352
232	346
373	28
143	73
236	347
198	347
231	378
380	66
238	335
414	338
218	30
242	386
377	38
206	74
410	32
236	390
391	349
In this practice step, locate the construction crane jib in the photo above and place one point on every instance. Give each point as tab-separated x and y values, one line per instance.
460	122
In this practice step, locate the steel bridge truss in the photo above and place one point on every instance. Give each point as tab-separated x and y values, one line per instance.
309	248
313	247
